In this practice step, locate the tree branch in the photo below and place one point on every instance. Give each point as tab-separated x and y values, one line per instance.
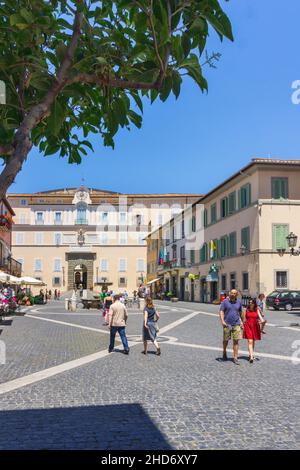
112	82
22	143
6	149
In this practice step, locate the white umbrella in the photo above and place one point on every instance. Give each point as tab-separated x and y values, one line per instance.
4	277
14	279
31	281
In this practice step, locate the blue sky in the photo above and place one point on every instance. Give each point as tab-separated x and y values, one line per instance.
194	143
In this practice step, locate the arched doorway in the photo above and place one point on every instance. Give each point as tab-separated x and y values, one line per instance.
80	276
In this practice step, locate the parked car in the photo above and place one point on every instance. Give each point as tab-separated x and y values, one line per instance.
288	299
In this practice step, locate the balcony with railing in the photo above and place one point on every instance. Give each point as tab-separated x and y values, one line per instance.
10	266
81	221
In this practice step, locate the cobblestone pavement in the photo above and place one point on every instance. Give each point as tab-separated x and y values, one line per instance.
186	399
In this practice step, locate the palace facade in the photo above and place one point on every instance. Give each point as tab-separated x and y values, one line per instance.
90	237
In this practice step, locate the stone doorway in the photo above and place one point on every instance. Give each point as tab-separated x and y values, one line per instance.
80	270
80	276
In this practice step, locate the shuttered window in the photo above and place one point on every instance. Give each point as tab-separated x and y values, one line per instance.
280	232
203	253
244	196
224	247
213	213
205	218
224	207
245	237
231	202
280	188
232	244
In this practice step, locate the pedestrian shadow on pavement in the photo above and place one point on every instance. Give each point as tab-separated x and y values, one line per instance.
117	427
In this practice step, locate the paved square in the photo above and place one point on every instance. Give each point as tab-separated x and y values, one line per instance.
60	389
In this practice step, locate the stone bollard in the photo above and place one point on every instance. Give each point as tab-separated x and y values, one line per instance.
66	304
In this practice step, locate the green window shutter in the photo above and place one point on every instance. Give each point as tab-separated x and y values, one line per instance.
245	237
275	188
248	194
280	188
280	232
224	207
239	199
232	244
213	213
224	247
231	203
205	218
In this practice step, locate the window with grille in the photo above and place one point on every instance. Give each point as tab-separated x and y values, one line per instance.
281	279
56	281
122	282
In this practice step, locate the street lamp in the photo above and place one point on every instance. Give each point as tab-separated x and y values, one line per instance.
292	243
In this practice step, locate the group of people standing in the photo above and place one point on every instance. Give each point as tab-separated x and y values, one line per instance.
238	324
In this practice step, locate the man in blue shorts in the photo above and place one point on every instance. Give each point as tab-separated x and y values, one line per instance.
230	315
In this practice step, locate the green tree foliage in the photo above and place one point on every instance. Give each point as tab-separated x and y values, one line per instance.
81	67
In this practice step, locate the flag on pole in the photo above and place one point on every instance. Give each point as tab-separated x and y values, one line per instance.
212	249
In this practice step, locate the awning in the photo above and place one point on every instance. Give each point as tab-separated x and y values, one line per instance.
153	280
31	281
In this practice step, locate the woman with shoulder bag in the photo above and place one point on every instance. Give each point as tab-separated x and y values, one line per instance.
150	326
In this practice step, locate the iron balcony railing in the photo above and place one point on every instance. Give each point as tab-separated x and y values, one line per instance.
81	222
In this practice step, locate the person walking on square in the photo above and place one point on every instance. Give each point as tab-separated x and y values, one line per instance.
230	315
106	306
261	305
55	294
150	328
252	320
117	323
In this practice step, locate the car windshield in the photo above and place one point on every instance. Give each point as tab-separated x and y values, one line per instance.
274	294
285	294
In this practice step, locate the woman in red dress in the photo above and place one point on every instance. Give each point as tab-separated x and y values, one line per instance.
252	320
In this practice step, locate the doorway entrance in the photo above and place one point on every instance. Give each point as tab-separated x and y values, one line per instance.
182	288
80	276
213	291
